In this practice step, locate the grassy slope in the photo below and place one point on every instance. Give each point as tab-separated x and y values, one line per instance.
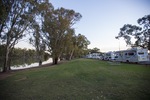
81	79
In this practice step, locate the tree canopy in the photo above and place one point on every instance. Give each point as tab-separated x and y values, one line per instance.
145	38
14	22
57	25
137	35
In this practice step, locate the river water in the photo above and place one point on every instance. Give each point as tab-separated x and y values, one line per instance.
24	66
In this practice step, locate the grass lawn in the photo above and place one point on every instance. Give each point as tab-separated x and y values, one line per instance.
80	79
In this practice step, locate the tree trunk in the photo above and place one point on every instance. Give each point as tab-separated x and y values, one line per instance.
9	64
55	60
71	54
40	62
67	56
5	68
40	59
149	44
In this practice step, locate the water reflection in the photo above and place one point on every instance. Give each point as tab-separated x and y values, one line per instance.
24	66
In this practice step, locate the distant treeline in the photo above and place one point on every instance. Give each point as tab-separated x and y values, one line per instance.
19	56
22	53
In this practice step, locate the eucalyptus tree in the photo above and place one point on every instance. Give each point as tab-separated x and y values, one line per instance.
95	50
145	38
5	7
14	25
69	44
41	8
75	45
141	35
81	45
55	26
128	32
37	42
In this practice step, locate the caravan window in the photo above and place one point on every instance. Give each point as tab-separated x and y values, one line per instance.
131	54
141	53
108	54
116	57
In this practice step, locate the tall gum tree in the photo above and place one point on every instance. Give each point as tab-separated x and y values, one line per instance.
55	27
14	25
37	42
42	7
145	38
128	32
81	45
69	44
141	34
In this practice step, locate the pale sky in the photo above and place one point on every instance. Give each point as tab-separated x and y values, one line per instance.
102	19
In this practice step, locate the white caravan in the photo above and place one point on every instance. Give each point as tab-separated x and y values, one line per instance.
109	56
94	56
134	55
118	56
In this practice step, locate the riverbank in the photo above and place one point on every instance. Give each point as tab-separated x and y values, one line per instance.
11	72
35	64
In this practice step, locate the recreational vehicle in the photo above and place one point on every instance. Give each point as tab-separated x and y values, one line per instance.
118	56
134	55
109	56
94	56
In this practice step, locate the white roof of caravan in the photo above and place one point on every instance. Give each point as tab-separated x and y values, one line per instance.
134	48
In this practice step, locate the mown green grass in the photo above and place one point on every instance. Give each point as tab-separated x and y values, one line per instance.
80	79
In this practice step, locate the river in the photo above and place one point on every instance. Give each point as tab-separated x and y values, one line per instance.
24	66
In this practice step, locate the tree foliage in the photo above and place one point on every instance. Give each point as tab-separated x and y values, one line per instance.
128	31
145	38
14	23
41	7
94	50
137	35
55	27
69	44
38	43
5	8
49	28
81	42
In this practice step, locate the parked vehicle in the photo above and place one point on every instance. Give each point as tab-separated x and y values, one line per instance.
109	56
118	56
134	55
94	56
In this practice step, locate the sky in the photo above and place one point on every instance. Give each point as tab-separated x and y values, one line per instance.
102	19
